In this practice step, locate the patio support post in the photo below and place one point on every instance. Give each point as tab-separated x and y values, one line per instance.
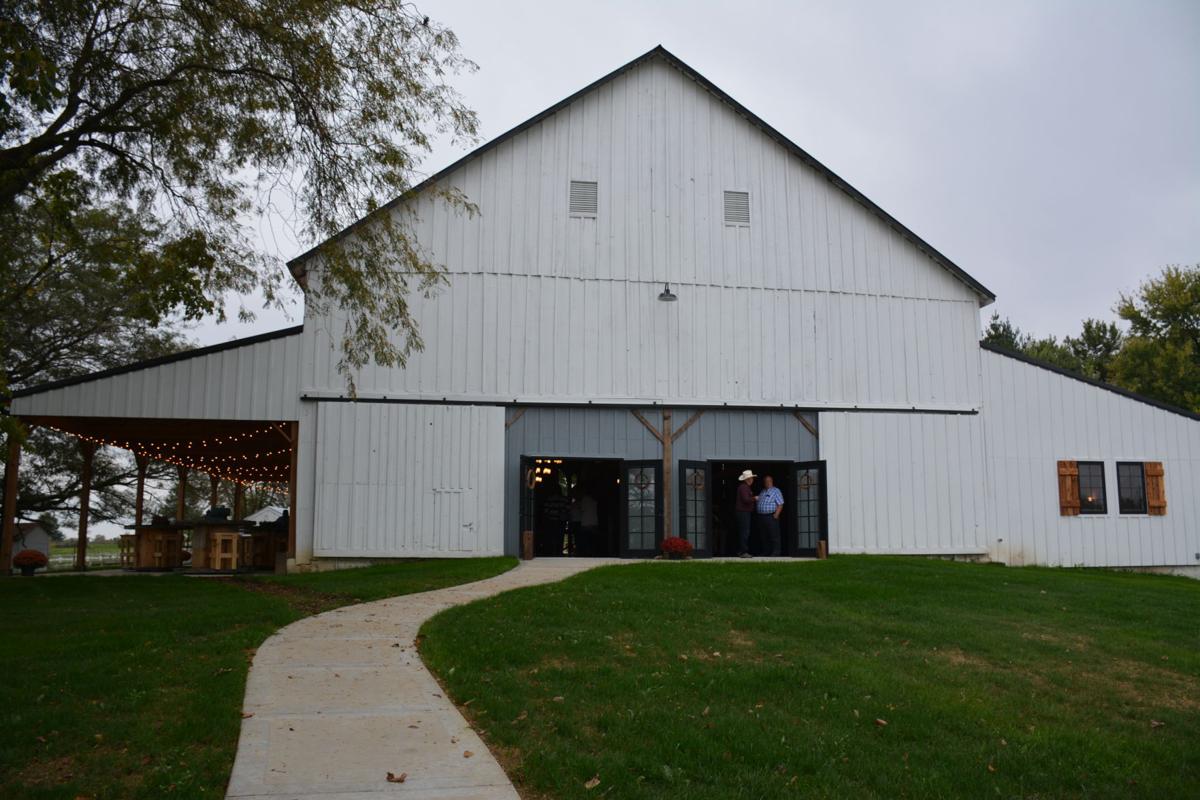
181	498
239	500
140	499
214	485
668	473
294	430
88	450
11	465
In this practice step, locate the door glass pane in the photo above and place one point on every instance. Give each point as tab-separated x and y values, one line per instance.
696	516
808	508
640	509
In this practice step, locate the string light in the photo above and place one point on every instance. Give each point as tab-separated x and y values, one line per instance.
227	467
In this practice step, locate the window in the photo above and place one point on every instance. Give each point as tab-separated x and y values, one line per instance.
1092	498
584	198
1131	487
737	209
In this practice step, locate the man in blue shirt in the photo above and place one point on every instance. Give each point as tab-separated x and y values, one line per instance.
769	507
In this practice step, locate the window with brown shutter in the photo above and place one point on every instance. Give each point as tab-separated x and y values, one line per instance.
1156	491
1068	488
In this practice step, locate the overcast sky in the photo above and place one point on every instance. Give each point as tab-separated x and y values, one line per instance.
1051	149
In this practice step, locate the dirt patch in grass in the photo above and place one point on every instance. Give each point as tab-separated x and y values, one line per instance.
959	658
52	772
305	600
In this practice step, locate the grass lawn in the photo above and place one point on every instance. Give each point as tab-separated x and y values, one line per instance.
852	677
131	687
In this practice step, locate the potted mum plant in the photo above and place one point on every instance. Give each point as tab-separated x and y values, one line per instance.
30	560
676	547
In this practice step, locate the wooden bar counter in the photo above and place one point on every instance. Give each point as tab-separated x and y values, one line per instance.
158	546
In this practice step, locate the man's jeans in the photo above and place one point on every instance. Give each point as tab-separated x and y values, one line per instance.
743	529
769	525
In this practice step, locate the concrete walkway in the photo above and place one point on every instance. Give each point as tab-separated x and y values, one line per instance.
337	701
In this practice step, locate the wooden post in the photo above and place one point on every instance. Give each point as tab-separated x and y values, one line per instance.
295	431
11	465
88	449
181	500
239	500
214	485
139	511
668	474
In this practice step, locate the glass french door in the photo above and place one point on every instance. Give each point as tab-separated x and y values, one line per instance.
694	507
641	508
812	515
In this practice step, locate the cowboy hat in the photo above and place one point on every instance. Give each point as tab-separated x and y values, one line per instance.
746	474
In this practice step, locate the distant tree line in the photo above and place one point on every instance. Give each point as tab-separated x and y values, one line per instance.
1157	356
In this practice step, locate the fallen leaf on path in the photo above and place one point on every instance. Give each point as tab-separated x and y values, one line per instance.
394	778
593	783
247	714
467	754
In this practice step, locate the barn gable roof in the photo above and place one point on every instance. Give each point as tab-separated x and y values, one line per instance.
986	296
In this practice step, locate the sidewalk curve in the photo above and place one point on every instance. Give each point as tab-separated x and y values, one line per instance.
336	701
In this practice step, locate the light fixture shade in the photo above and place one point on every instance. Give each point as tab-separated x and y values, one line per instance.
666	295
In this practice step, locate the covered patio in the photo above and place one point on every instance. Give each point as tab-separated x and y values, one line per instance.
226	412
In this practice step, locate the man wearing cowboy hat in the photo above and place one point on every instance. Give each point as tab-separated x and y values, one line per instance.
743	511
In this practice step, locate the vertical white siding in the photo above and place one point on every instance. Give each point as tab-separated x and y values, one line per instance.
1034	418
260	380
817	302
408	480
904	483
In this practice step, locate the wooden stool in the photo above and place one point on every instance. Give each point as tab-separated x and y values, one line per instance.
223	550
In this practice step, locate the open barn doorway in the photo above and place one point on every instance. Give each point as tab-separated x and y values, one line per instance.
724	483
572	505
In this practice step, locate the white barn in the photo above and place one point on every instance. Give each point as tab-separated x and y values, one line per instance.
659	291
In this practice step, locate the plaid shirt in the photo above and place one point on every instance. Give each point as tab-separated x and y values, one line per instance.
769	500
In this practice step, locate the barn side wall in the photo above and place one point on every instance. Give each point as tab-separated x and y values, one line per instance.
403	481
1033	418
908	484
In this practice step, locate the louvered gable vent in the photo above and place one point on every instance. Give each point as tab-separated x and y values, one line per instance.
737	208
583	198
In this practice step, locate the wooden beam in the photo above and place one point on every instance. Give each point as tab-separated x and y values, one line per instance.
653	430
181	499
513	421
88	450
214	487
295	439
239	500
11	465
668	474
139	508
690	422
807	425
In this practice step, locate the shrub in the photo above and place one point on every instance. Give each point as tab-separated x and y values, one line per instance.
676	546
30	558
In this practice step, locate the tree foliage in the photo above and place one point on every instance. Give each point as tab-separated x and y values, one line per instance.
205	111
1159	356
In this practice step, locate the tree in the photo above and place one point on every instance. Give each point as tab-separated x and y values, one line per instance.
1096	348
205	111
1161	355
82	285
1002	333
49	524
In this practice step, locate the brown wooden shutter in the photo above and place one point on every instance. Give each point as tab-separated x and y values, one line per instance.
1156	492
1068	488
